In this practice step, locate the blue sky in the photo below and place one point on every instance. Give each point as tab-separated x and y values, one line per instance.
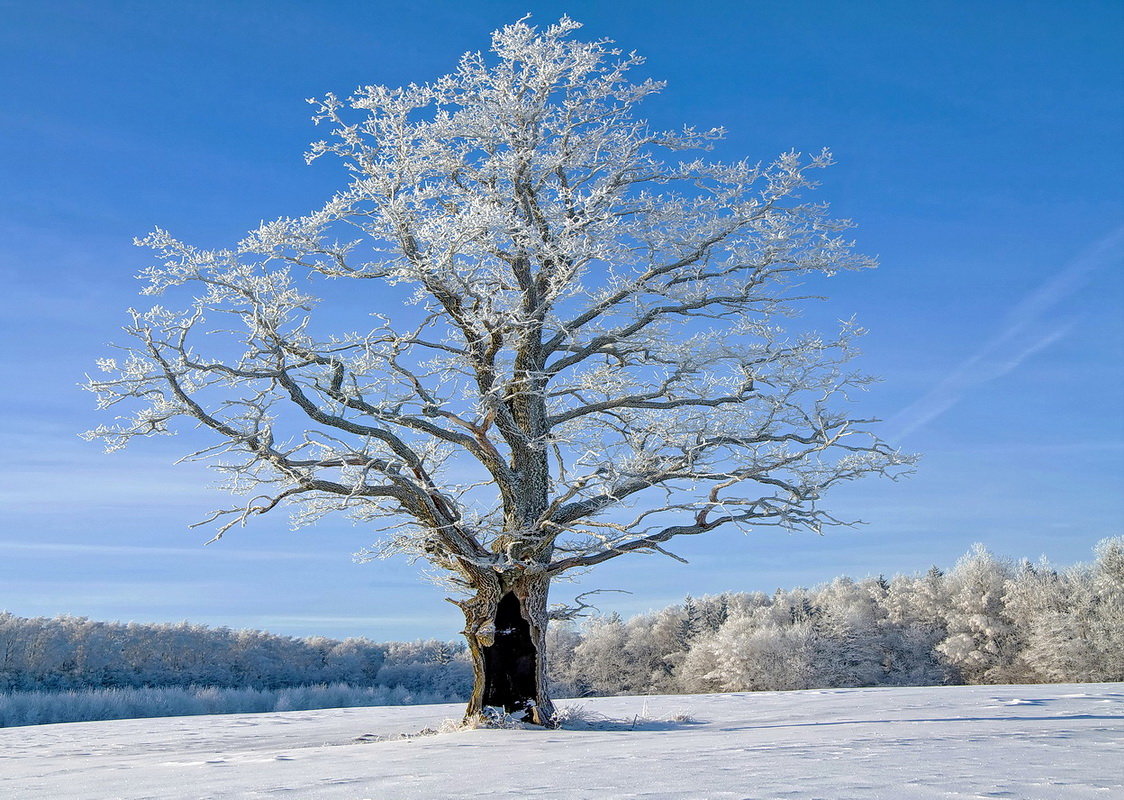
979	150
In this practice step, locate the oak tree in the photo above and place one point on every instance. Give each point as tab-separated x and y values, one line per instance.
593	361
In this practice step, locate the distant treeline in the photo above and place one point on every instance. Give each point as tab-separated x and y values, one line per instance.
67	653
988	620
81	705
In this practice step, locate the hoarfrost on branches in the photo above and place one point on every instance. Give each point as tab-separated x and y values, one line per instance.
594	361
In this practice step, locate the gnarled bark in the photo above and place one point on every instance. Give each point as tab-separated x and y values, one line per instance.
506	633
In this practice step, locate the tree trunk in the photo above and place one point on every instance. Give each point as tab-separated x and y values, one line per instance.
506	632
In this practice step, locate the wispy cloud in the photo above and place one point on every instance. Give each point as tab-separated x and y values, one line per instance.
1027	330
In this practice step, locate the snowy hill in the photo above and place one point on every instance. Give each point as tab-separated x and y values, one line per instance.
1041	741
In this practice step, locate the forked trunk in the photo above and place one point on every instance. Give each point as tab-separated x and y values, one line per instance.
506	633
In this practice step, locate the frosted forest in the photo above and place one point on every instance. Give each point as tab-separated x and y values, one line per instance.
988	620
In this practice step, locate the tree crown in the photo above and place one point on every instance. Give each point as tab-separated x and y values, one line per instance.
593	360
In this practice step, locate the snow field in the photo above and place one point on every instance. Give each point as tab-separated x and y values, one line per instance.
1035	742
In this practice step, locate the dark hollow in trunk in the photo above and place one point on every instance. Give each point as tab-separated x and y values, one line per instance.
505	627
510	663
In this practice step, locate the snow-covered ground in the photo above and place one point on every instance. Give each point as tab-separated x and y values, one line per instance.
1020	742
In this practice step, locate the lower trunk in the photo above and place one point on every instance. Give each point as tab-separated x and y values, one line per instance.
506	633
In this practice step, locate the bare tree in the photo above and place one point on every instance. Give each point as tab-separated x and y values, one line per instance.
592	364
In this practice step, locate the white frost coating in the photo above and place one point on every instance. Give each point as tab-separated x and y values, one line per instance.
596	328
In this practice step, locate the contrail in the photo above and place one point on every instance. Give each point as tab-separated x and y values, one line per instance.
1024	333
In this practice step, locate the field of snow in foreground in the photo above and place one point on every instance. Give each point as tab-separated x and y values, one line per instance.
1044	741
